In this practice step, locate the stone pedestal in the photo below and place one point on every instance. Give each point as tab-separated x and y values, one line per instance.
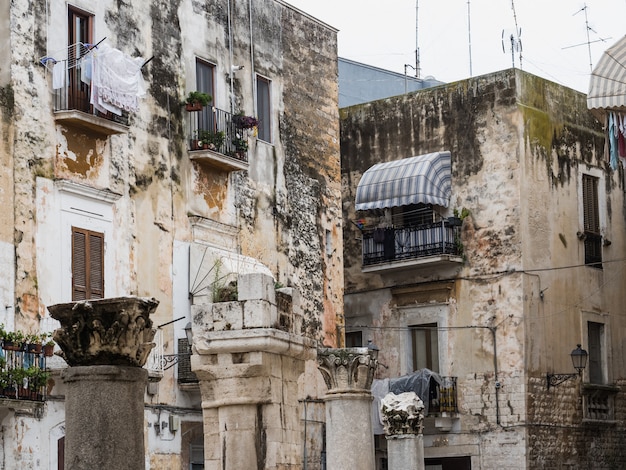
348	373
403	418
105	342
104	417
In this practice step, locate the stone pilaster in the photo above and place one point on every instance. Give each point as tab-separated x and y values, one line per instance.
105	342
348	373
403	418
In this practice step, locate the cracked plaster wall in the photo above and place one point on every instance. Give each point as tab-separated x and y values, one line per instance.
519	145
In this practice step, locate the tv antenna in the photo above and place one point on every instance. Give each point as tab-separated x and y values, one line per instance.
513	39
589	41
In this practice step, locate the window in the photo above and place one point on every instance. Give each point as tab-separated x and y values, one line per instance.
197	454
425	347
591	221
263	108
354	339
80	31
595	338
87	264
205	83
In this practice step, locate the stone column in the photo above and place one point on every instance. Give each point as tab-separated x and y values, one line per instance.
248	355
348	373
403	417
105	342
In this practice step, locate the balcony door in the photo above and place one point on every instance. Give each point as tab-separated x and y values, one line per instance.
80	32
205	83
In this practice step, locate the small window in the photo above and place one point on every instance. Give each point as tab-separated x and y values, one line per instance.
80	32
205	83
354	339
425	347
591	221
87	264
595	337
263	108
196	453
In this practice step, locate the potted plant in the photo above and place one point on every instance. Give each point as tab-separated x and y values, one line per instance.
13	340
211	140
33	343
245	122
48	347
196	100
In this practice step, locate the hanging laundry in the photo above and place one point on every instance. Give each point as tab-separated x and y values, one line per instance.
116	78
613	145
58	75
85	69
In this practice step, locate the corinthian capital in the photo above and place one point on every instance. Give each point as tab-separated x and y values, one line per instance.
347	369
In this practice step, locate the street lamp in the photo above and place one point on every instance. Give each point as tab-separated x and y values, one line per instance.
579	361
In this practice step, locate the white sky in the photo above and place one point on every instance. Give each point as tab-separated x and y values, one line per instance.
553	35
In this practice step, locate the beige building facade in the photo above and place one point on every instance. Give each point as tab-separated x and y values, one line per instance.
476	284
110	187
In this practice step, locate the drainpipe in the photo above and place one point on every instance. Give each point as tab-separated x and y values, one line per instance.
495	368
252	76
230	55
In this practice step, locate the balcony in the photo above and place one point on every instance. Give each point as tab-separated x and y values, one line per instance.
72	107
427	245
216	137
23	374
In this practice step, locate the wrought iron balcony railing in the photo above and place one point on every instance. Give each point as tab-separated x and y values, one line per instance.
443	397
384	245
217	130
75	95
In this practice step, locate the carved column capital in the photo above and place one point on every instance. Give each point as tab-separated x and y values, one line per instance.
115	331
402	414
347	369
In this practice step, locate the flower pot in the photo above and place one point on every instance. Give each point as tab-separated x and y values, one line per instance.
34	348
11	346
48	350
195	106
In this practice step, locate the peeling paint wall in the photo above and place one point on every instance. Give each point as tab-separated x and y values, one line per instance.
519	146
284	210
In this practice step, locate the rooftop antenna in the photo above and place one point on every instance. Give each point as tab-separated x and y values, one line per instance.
513	38
589	41
469	37
417	47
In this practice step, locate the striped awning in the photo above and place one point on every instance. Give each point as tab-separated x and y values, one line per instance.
607	86
425	179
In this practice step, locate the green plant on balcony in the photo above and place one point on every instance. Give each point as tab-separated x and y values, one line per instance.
196	100
211	140
241	145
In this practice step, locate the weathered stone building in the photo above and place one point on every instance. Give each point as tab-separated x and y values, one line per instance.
105	191
506	252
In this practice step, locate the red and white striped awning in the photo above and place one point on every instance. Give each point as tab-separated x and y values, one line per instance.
425	179
607	86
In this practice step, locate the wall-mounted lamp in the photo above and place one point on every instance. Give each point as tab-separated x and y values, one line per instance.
579	361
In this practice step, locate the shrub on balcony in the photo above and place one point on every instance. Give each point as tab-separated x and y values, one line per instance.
196	100
211	140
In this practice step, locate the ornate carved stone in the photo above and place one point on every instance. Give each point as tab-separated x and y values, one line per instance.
347	369
402	414
115	331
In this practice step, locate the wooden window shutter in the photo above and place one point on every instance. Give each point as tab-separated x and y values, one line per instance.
87	264
591	216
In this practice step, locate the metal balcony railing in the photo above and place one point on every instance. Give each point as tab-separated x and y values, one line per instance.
76	95
443	397
217	130
23	374
383	245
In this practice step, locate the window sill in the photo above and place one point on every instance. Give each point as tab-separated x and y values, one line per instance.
588	388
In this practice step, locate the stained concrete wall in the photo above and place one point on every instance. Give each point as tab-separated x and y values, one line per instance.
519	145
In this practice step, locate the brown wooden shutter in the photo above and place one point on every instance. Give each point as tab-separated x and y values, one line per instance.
591	216
87	264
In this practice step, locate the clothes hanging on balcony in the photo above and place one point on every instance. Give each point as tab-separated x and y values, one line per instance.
117	83
58	75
